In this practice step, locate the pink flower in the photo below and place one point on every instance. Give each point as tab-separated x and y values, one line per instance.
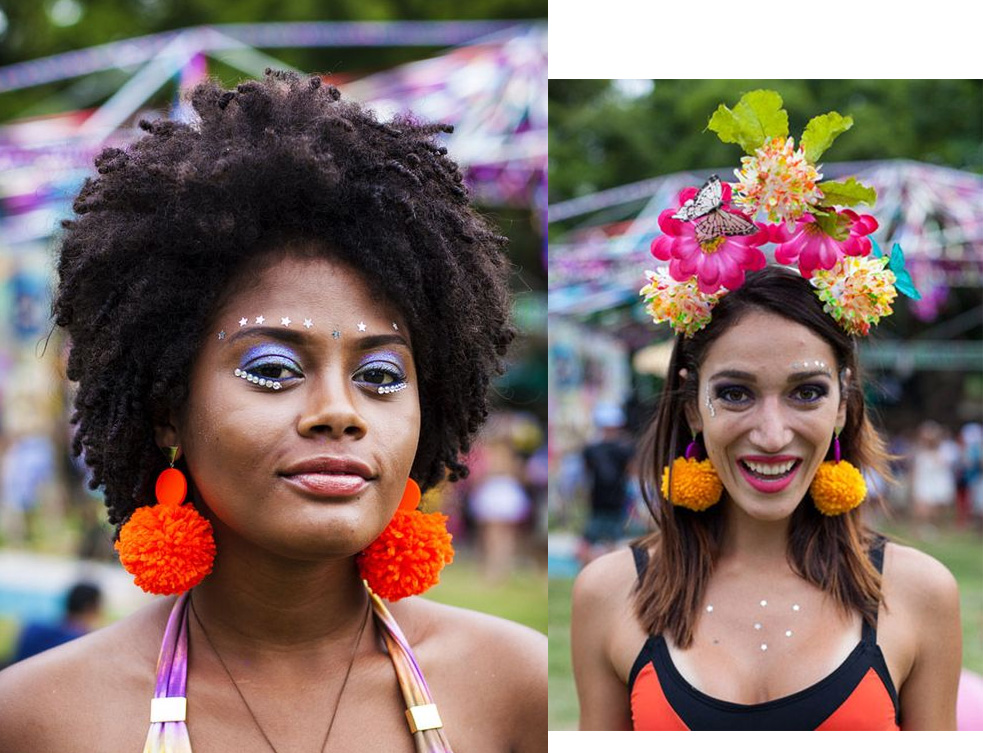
813	248
716	262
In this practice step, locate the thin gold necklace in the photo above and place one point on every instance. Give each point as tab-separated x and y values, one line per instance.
341	692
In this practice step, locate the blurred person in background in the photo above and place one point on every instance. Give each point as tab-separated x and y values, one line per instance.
933	476
607	462
969	475
83	614
26	469
284	317
498	503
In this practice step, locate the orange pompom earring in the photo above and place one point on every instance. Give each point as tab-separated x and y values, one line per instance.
409	554
838	486
695	483
168	547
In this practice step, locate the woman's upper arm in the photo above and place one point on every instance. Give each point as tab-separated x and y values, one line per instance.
599	603
931	595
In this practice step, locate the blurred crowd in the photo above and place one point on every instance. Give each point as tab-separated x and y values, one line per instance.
938	483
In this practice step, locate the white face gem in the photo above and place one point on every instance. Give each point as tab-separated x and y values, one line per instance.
764	602
243	322
221	335
764	646
361	326
237	372
795	607
757	626
260	319
308	323
336	334
395	326
285	321
709	607
788	633
710	409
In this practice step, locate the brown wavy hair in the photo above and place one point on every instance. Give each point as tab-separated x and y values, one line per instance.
829	552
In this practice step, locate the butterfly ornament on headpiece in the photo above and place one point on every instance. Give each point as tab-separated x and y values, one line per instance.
711	220
710	243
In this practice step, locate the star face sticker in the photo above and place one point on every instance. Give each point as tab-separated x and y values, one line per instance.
336	334
243	322
260	319
221	335
395	326
285	321
308	323
361	326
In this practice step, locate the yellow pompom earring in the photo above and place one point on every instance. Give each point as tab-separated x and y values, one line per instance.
695	483
838	486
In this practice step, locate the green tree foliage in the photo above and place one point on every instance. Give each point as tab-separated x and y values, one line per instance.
601	137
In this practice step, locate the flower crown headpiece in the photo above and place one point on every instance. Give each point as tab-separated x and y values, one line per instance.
711	240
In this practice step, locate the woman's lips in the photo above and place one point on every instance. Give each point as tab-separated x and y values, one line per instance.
763	483
329	485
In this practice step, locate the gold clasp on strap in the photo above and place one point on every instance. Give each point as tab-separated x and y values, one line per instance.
423	717
174	709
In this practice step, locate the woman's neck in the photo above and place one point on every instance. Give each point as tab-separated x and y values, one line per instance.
753	542
259	601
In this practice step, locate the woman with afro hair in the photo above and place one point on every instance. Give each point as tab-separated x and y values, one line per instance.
284	318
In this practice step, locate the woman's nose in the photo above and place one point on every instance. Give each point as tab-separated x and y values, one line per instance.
771	432
331	408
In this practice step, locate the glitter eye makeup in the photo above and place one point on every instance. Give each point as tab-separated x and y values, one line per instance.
265	364
383	372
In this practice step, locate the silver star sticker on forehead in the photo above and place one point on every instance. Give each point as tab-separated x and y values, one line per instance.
243	322
395	326
221	335
260	319
336	334
308	323
361	326
285	321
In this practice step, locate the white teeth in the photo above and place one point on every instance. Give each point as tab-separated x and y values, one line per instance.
765	469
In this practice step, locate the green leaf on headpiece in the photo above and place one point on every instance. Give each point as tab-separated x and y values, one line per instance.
846	194
757	118
836	226
822	131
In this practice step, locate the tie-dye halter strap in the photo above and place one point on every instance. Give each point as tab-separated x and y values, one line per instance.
168	709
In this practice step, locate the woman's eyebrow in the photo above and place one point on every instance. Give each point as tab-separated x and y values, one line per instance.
375	341
746	376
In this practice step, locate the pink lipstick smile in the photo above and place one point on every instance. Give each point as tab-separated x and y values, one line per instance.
769	474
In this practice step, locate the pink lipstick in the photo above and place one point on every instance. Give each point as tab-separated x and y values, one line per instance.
769	474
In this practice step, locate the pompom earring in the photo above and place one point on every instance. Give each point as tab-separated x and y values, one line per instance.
838	486
695	483
409	554
167	547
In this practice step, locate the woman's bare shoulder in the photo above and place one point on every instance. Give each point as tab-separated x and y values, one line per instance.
918	580
54	700
609	578
481	666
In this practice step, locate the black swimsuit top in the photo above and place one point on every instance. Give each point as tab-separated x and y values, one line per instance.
857	695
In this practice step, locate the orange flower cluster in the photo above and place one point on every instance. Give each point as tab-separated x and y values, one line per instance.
167	547
408	556
695	484
837	488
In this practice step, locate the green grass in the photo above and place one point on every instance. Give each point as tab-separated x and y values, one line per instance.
960	551
522	598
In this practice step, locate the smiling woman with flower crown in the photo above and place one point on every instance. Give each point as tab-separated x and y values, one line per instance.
761	601
284	318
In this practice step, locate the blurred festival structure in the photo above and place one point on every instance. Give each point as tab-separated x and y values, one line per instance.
599	249
490	83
